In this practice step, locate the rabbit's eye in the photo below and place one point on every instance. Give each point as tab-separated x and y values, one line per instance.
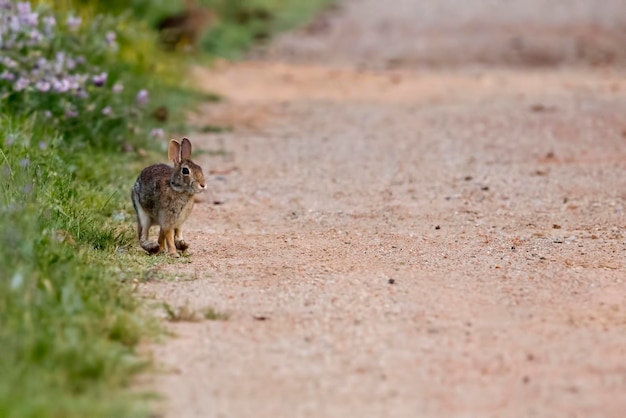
185	171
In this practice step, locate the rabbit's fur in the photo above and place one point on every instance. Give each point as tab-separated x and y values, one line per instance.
164	196
185	28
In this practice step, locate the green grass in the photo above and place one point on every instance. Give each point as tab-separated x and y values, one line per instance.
70	322
211	314
185	313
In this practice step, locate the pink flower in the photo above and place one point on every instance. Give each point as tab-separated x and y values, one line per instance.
7	75
42	86
61	86
49	22
73	22
99	79
110	37
23	8
142	97
21	84
70	113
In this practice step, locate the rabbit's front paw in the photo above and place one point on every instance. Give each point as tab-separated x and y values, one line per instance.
151	247
181	245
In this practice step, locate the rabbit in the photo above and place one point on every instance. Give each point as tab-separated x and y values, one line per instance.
164	196
184	29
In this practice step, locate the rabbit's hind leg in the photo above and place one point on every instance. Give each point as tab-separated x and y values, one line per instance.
179	241
143	229
150	246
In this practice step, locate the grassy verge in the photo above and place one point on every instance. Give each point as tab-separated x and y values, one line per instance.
69	322
77	88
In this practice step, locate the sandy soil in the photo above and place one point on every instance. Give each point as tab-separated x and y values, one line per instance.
399	229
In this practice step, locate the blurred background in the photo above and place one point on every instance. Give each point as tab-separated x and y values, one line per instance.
217	27
431	33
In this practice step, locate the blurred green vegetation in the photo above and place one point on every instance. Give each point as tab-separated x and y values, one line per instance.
69	321
239	25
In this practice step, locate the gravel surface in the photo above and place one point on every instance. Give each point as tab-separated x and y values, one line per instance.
402	230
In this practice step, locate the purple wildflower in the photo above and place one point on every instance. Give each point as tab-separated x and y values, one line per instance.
107	111
21	84
6	75
30	19
61	86
70	113
156	133
142	97
8	62
47	114
73	22
49	22
43	146
75	84
110	37
117	88
25	162
43	86
59	62
14	24
82	93
35	37
99	79
23	8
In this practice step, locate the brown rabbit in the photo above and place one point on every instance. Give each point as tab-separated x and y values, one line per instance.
185	28
164	196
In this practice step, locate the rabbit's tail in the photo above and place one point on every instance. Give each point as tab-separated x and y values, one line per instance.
134	195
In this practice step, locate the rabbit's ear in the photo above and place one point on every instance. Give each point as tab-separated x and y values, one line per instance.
173	152
185	149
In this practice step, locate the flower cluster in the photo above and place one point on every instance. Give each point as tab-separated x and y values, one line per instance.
52	66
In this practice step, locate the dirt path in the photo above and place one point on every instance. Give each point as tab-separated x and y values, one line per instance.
404	231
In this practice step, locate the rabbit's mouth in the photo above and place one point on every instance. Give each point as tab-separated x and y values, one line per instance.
198	188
